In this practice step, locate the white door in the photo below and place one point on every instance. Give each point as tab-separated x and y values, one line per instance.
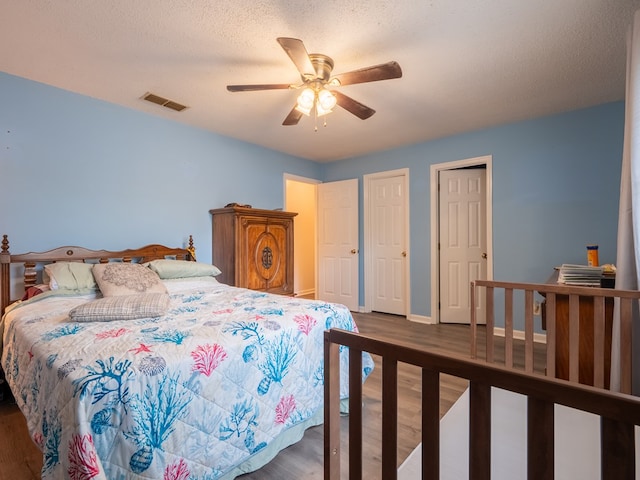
388	243
338	243
463	240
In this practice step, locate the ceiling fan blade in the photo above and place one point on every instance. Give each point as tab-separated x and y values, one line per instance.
293	118
384	71
358	109
251	88
298	54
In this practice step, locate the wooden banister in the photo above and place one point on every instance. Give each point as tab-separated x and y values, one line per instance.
619	412
575	297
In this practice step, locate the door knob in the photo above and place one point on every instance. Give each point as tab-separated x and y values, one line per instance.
354	251
404	254
484	255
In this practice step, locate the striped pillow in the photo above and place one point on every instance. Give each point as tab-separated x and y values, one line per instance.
121	307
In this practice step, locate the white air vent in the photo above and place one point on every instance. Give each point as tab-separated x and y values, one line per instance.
164	102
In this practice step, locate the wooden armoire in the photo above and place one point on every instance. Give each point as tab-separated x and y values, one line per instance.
254	248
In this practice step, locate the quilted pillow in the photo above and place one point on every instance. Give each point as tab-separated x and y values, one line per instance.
121	307
70	276
126	279
182	269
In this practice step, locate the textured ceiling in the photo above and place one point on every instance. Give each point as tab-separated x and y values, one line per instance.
467	64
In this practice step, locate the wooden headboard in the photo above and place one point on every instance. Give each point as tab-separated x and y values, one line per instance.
33	261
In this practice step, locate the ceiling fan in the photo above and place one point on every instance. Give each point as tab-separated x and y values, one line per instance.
318	93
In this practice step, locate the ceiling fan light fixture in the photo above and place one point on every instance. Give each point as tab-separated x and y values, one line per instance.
326	99
306	100
325	103
321	111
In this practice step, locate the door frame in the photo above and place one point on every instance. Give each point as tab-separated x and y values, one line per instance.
435	170
296	259
368	244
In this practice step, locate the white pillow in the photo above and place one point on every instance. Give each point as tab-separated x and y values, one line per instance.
167	269
70	276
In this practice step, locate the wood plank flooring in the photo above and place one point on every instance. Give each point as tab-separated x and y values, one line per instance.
21	460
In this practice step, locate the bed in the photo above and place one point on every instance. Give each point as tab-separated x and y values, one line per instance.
158	370
515	420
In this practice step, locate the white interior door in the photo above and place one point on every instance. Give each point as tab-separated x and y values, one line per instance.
338	242
388	244
463	240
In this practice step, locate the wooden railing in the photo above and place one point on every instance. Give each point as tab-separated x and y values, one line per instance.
578	345
619	412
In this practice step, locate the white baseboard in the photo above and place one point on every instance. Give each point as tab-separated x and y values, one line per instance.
411	317
420	319
309	292
498	331
519	335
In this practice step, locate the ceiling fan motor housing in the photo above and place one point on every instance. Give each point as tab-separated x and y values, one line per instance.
323	66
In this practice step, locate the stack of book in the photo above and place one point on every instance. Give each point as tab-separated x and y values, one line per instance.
582	275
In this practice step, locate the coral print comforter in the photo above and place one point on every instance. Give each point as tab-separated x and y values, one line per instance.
210	390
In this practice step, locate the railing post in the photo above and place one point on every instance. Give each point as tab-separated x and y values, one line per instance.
474	321
574	338
508	327
389	418
491	322
479	431
599	333
331	408
626	334
540	439
617	444
355	414
550	310
528	330
430	424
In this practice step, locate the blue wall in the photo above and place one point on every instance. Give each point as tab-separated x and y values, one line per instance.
556	183
132	179
75	169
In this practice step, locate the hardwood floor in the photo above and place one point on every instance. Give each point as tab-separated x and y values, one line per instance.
20	458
